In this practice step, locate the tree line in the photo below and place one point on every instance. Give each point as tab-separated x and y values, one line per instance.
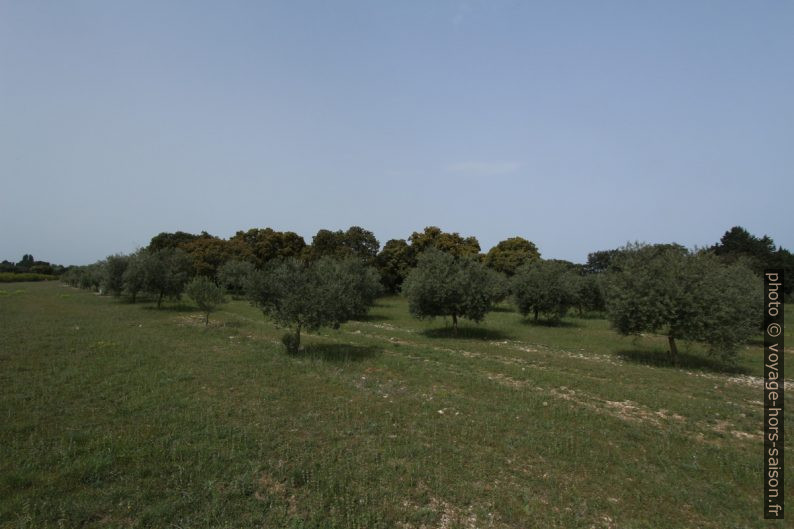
29	265
710	295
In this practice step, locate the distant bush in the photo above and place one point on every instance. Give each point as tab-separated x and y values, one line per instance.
8	277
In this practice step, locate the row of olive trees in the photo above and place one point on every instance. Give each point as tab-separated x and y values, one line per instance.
300	294
443	284
662	289
162	274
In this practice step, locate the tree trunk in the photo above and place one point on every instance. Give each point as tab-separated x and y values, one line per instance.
673	350
159	299
207	319
297	337
536	314
134	294
455	324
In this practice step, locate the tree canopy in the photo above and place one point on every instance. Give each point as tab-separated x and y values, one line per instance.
355	242
445	285
234	276
508	255
451	243
264	245
166	272
206	294
684	295
310	295
546	287
115	266
394	262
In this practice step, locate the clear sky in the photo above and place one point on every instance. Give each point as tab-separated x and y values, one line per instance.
578	125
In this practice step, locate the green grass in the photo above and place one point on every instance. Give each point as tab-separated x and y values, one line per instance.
120	415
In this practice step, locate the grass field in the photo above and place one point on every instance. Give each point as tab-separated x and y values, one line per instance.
8	277
120	415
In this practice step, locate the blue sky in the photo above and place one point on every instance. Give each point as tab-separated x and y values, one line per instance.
578	125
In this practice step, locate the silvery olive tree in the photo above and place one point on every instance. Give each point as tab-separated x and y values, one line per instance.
309	295
206	294
684	295
545	287
443	284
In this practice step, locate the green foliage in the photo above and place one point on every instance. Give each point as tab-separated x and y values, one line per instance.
759	253
166	272
29	265
167	240
591	293
739	242
134	276
356	243
87	277
452	243
209	253
394	263
600	261
261	246
545	287
664	289
113	280
362	244
508	255
498	285
310	295
206	294
6	277
26	262
234	276
445	285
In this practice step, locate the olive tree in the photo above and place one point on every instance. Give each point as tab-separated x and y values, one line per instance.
134	276
234	275
166	272
445	285
545	287
310	295
91	276
686	296
206	294
113	273
590	294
